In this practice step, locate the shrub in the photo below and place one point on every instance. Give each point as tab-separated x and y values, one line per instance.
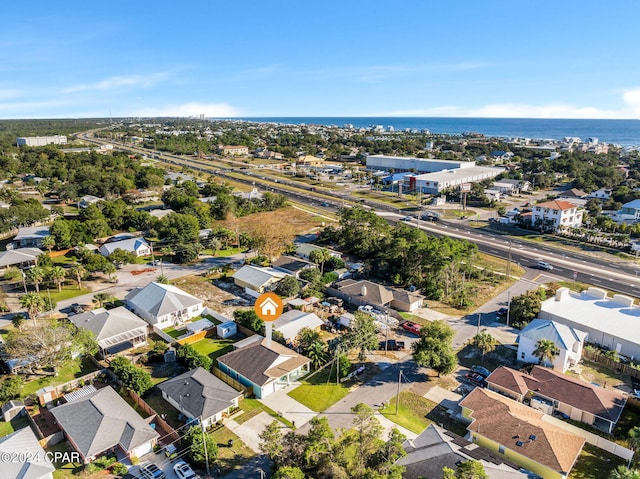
119	469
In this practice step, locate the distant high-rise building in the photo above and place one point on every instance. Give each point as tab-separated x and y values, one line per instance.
41	140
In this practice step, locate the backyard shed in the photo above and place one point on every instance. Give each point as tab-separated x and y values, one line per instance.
226	330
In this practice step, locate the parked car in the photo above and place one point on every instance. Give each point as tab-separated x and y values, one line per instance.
561	415
407	218
324	203
151	471
411	327
481	370
544	265
475	378
184	471
77	308
392	345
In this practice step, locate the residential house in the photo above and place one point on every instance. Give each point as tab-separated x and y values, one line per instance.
116	329
550	391
253	195
292	265
137	246
160	213
102	422
20	258
436	448
601	194
304	250
555	215
30	237
264	365
291	322
608	321
177	178
568	341
520	434
23	456
198	394
256	280
367	292
629	213
163	305
88	200
506	187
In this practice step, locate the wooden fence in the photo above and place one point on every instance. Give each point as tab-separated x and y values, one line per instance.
599	358
193	338
246	390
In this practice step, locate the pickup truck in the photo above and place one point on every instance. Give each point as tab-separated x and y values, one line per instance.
392	345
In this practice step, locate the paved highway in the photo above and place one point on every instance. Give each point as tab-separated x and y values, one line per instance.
615	274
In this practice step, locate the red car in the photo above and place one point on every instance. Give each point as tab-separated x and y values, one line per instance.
411	327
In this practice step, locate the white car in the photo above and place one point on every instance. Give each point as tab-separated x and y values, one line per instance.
184	471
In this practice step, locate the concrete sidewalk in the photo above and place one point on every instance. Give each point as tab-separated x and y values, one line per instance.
289	408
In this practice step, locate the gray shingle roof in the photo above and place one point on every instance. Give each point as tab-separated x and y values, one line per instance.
160	299
24	443
106	324
20	255
200	393
102	420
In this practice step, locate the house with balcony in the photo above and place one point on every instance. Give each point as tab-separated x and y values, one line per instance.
555	215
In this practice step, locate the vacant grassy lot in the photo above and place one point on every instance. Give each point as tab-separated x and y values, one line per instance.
252	407
230	458
318	393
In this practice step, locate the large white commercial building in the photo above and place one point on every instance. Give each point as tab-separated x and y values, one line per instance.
435	183
41	140
419	165
611	322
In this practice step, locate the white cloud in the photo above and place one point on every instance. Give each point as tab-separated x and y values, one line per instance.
215	110
143	81
632	100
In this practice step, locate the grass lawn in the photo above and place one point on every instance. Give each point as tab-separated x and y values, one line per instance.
415	413
13	425
214	348
252	407
73	369
67	470
594	463
175	333
318	393
67	292
154	399
230	458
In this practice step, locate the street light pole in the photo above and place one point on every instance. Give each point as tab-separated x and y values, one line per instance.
478	329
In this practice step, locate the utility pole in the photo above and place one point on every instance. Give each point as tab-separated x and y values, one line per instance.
478	329
509	262
386	339
508	305
398	391
204	442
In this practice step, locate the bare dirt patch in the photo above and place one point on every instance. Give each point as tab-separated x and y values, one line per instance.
292	218
215	298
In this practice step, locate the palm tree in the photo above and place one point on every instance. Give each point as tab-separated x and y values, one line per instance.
49	242
316	353
320	256
622	472
79	272
546	350
17	321
484	342
162	279
101	298
35	276
109	269
57	274
33	302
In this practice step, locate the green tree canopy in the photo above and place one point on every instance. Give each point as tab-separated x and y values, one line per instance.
434	349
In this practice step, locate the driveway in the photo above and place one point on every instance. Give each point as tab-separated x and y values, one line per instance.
159	460
289	408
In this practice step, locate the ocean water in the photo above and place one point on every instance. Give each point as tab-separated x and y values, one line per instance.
619	132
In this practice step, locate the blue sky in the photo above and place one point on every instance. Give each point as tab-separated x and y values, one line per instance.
492	58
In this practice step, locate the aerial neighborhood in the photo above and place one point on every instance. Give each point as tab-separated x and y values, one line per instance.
439	306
